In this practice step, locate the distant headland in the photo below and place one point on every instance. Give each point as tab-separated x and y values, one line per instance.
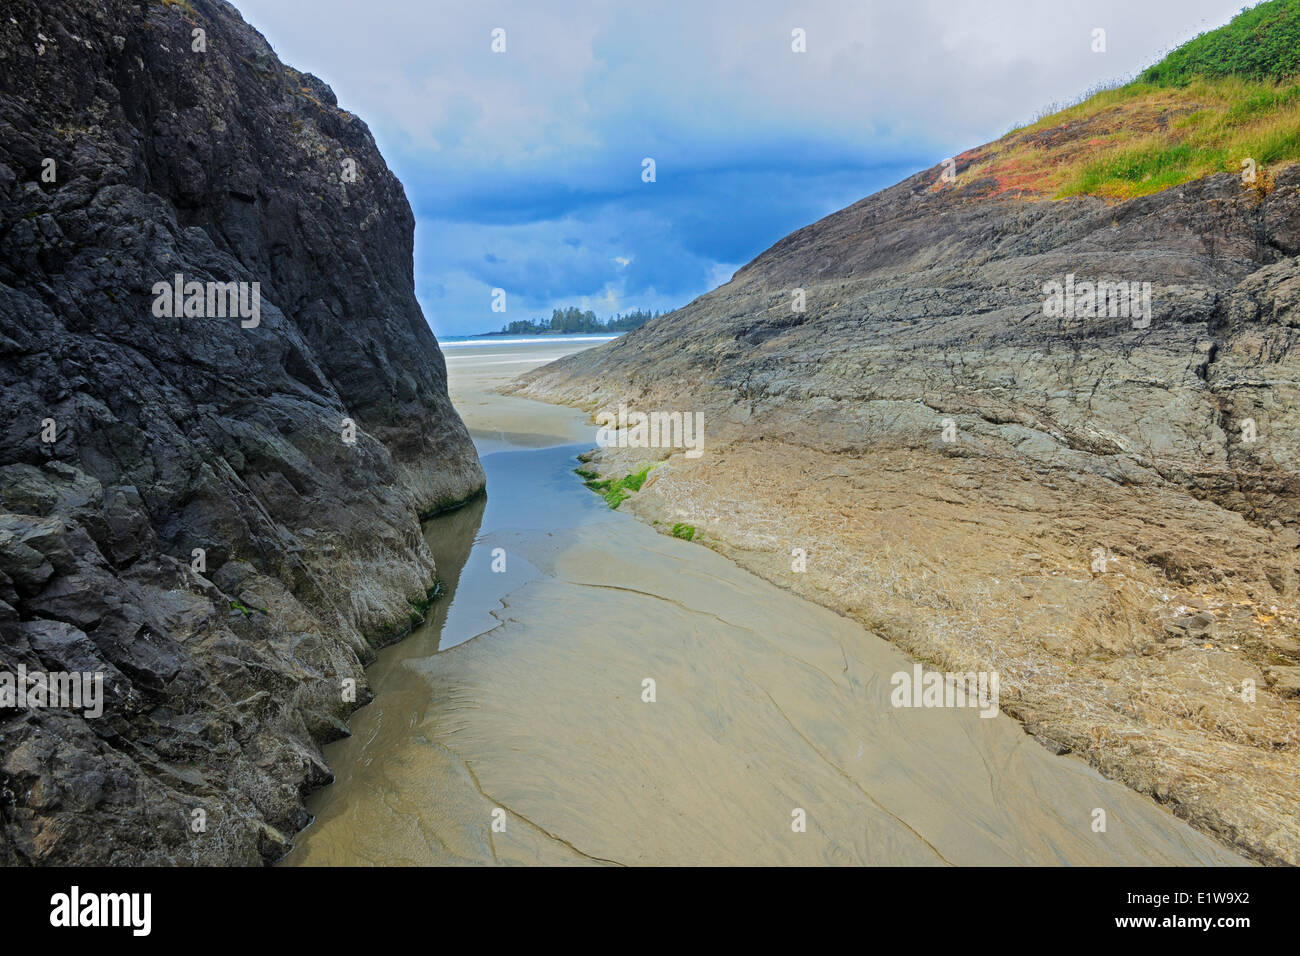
574	321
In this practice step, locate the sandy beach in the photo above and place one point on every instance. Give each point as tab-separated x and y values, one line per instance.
516	725
499	422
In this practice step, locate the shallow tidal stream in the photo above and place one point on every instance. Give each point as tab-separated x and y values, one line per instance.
520	701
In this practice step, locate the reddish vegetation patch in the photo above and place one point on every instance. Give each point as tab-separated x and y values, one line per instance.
1035	161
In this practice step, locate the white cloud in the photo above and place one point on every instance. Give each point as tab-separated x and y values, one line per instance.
586	76
507	156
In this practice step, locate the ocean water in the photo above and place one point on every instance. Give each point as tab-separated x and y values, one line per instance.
454	341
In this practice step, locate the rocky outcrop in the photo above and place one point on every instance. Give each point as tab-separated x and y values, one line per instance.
1105	508
219	513
931	298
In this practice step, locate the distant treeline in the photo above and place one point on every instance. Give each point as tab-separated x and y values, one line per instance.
572	320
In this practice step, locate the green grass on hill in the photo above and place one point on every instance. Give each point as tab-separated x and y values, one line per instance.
1230	97
1228	122
1261	43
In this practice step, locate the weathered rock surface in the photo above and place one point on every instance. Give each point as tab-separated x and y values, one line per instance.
1106	514
128	155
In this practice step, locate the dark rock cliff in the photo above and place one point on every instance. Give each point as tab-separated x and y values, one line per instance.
132	149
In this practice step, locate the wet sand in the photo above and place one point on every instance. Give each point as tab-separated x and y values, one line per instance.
522	698
503	422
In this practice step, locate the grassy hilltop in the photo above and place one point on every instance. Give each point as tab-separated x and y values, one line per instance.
1228	96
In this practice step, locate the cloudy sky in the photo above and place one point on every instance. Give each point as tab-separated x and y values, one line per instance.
524	168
